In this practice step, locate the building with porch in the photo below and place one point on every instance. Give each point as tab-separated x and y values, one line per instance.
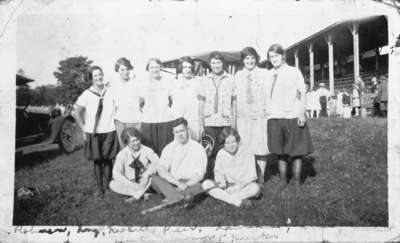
343	52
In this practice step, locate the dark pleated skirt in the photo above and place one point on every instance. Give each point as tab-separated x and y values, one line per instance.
101	146
285	137
157	135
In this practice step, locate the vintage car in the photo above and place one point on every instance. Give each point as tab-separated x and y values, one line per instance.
39	129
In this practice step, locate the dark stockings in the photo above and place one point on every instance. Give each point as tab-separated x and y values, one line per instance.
102	168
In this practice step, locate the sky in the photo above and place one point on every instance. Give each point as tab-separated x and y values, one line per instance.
164	29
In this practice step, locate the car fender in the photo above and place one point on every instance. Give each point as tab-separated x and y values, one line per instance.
55	126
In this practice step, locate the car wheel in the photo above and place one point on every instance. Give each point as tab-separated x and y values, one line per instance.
66	137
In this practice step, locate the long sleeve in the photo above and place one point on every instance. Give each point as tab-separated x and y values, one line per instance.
154	161
219	174
165	158
118	169
301	92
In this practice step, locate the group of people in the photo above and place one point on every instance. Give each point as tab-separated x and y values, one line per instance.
379	87
346	103
317	104
153	128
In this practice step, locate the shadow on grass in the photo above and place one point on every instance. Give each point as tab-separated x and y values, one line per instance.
30	160
36	158
272	169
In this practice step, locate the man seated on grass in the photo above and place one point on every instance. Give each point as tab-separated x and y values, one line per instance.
182	165
235	172
134	165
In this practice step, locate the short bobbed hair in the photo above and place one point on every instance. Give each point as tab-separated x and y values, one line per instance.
228	131
182	60
153	59
249	51
129	132
276	48
180	121
216	55
123	62
91	70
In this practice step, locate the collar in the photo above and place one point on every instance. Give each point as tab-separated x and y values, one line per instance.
223	76
238	152
254	70
95	92
183	82
182	145
277	71
134	154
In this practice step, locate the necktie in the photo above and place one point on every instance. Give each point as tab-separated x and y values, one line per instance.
216	101
138	167
99	109
273	84
250	98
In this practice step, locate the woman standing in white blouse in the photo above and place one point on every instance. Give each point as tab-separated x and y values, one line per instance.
186	96
156	101
250	96
126	96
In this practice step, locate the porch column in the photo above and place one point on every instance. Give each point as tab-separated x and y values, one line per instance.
330	63
311	54
356	51
296	58
376	59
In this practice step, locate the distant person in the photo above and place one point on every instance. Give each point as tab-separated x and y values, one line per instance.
288	135
383	95
361	86
331	106
374	90
185	96
182	165
356	99
315	103
217	102
133	167
309	100
324	96
126	91
374	85
156	102
346	101
94	110
235	172
339	103
250	95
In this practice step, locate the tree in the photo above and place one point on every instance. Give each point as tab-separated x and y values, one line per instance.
73	78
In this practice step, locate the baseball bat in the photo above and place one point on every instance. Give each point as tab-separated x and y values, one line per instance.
167	204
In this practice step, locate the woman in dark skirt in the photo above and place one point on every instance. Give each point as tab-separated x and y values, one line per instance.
288	135
94	111
156	101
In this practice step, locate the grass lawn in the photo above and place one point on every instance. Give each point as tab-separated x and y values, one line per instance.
345	185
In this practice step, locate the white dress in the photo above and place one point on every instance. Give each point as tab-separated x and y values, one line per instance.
315	104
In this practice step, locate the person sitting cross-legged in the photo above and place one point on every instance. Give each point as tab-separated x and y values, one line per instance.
133	166
182	165
235	172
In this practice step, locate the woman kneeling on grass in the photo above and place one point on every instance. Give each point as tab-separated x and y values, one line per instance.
235	172
94	110
133	166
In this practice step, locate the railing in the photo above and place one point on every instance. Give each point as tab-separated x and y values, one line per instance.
348	79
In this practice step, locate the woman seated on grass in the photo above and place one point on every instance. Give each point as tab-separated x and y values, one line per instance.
134	165
235	172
